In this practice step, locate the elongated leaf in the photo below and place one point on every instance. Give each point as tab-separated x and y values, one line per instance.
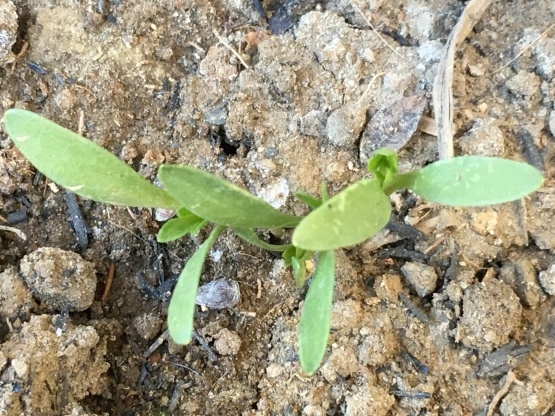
219	201
308	199
178	227
250	237
80	165
350	217
314	325
182	305
475	181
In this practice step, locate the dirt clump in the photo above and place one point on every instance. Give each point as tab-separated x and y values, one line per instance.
59	279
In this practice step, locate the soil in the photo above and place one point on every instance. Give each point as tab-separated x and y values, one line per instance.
447	312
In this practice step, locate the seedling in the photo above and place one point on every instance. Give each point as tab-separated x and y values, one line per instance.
199	198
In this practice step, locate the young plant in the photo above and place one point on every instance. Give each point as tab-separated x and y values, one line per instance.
348	218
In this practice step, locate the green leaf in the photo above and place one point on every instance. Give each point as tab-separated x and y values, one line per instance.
250	236
324	191
350	217
219	201
299	271
475	181
178	227
314	325
181	310
80	165
288	255
383	164
308	199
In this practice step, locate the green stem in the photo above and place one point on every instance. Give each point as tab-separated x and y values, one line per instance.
403	180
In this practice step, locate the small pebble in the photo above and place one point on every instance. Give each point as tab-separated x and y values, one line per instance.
552	123
524	84
521	276
148	325
219	294
547	280
421	277
344	125
8	31
59	279
484	139
227	342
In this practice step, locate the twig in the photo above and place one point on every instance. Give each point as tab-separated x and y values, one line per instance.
416	311
109	280
442	93
192	370
19	54
79	224
521	52
16	231
159	341
374	78
211	354
375	31
228	46
177	394
499	395
81	125
259	291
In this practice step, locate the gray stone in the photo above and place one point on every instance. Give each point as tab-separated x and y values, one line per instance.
521	276
313	124
524	84
483	139
8	31
344	125
547	280
491	311
421	277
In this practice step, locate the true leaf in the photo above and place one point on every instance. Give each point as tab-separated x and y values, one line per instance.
178	227
308	199
314	325
350	217
80	165
219	201
288	255
182	305
475	181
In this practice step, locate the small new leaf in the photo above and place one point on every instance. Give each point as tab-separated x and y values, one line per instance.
182	305
383	164
314	325
308	199
179	227
350	217
475	181
80	165
299	271
219	201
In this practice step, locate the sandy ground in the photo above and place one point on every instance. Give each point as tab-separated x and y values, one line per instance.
448	312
